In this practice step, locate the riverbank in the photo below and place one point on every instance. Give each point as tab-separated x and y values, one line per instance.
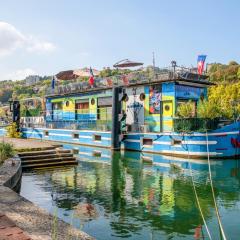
21	144
36	222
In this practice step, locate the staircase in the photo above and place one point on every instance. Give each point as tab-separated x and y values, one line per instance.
47	158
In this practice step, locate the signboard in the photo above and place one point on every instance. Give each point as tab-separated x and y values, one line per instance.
188	92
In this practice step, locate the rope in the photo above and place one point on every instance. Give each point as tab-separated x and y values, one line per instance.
198	203
213	194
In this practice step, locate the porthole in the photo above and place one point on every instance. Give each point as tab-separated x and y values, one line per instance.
167	108
67	103
142	96
92	101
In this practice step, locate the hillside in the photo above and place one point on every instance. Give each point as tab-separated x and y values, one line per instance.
226	94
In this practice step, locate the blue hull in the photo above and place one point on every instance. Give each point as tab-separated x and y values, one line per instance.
222	143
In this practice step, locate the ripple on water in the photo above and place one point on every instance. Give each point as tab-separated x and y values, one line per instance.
123	198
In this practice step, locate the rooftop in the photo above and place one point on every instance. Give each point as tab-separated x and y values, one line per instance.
179	74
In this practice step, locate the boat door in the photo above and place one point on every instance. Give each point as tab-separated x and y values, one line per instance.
167	116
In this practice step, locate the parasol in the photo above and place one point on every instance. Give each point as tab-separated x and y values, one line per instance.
85	72
66	75
127	63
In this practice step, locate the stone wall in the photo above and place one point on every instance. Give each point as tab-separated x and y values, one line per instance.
36	222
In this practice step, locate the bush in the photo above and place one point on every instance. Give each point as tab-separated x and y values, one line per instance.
208	110
12	131
6	151
195	124
186	110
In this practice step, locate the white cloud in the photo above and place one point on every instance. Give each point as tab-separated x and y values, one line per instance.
35	45
19	74
12	39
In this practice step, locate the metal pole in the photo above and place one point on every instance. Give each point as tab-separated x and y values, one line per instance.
116	108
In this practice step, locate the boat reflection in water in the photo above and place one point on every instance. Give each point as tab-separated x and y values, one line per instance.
118	195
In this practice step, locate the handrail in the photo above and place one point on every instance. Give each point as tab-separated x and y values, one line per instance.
129	79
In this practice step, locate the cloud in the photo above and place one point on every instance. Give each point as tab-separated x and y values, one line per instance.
35	45
12	39
19	74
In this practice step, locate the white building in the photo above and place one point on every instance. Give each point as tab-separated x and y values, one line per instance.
32	79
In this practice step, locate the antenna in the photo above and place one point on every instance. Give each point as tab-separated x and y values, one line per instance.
153	56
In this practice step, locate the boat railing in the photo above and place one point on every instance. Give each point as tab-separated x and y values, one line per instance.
195	124
80	119
132	78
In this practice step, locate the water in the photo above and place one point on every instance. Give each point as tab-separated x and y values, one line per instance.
116	196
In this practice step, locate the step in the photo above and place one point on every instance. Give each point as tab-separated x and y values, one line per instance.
23	158
39	165
36	153
47	160
63	150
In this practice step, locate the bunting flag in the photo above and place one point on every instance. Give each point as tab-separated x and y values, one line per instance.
91	78
200	63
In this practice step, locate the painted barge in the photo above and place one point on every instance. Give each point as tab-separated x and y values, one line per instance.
146	115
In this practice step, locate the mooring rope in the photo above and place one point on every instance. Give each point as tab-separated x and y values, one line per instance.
213	194
198	203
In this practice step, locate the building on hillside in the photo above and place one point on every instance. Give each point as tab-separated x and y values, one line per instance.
32	79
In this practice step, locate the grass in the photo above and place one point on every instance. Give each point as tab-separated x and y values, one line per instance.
6	151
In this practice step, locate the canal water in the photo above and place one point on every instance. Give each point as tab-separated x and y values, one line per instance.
121	195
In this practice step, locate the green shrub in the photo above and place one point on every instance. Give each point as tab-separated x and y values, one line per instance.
12	131
186	110
6	151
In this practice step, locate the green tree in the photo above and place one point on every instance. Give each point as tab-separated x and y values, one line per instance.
207	109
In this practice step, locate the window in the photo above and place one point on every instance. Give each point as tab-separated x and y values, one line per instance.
97	137
167	108
142	96
75	135
57	106
67	103
83	105
46	133
147	141
104	113
92	101
176	142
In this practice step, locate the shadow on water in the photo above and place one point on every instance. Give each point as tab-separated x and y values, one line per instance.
116	195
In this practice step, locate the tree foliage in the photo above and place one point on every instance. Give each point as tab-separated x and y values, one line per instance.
12	131
206	109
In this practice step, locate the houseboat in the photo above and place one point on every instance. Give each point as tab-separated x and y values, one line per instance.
146	115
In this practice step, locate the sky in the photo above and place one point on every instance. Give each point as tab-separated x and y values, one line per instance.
48	36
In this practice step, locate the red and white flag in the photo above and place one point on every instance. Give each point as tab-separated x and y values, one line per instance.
91	78
200	63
